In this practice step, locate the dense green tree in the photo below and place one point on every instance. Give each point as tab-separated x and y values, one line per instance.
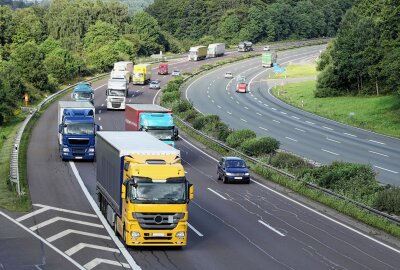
6	27
61	64
27	26
100	33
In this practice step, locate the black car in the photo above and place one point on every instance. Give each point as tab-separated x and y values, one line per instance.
233	169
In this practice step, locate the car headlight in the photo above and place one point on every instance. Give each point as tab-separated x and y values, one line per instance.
229	174
247	174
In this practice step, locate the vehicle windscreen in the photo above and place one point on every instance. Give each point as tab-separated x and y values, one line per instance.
82	95
235	164
78	129
162	134
151	192
118	93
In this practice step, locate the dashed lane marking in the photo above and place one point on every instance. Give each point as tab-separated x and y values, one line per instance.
271	228
216	193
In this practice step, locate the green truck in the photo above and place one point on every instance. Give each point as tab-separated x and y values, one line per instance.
268	59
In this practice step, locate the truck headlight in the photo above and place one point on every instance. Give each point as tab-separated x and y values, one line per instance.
180	235
65	149
91	150
135	234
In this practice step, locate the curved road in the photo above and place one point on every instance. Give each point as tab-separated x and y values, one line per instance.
231	226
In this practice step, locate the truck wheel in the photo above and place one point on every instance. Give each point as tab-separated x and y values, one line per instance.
115	228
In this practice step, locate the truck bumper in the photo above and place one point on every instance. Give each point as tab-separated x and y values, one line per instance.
77	156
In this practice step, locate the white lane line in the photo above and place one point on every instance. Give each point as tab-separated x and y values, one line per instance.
97	261
219	107
255	98
237	102
228	112
55	219
348	134
212	101
333	153
155	97
295	117
291	139
69	231
34	213
244	120
99	118
121	247
208	96
43	241
332	140
303	205
328	128
376	142
273	109
231	97
263	128
276	121
299	129
101	127
259	114
266	105
271	228
194	229
311	123
378	153
208	92
385	169
216	193
283	113
246	108
259	101
80	246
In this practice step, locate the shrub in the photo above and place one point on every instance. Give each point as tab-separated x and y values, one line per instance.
259	146
170	97
237	137
202	120
292	163
171	86
190	115
388	200
182	106
218	130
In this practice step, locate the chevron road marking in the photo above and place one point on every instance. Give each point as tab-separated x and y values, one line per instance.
80	246
69	231
53	220
95	262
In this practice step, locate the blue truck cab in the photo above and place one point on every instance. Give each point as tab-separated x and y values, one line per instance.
160	125
77	130
83	92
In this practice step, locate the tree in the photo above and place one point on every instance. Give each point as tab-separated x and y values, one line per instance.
101	33
6	27
27	26
61	64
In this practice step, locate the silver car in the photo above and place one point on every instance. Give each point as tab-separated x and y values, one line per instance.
155	84
176	73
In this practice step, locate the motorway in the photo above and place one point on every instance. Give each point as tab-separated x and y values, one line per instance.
231	226
315	138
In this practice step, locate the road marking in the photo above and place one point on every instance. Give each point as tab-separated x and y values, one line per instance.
378	153
102	105
303	205
237	102
80	246
255	98
295	117
273	109
299	129
101	127
44	241
376	142
309	122
265	104
228	112
208	92
348	134
219	107
95	262
34	213
216	193
283	113
69	231
47	207
208	96
333	153
244	120
99	118
263	128
271	228
99	111
327	128
212	101
259	101
231	97
259	114
194	229
332	140
107	226
209	87
291	139
385	169
154	99
276	121
246	108
55	219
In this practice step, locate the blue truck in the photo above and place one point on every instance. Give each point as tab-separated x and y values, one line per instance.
152	118
76	130
83	92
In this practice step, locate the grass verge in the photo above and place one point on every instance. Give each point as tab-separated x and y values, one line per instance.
379	114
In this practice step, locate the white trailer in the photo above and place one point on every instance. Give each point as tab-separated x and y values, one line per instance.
216	50
117	92
197	53
124	67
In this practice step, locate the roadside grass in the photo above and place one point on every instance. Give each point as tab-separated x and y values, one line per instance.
379	114
295	71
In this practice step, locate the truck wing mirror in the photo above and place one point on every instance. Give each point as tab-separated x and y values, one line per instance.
60	127
191	192
107	93
176	134
123	192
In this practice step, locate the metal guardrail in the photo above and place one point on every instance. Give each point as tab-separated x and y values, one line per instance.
281	172
14	161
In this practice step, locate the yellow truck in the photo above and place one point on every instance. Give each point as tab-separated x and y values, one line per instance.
141	74
142	189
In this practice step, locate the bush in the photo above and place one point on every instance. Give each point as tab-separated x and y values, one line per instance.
182	106
388	200
170	97
236	138
171	86
292	163
202	120
218	130
259	146
190	115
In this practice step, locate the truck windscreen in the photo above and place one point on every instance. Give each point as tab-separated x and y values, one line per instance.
162	134
79	129
82	95
151	192
118	93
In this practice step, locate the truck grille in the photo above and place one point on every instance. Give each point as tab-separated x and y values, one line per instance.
78	141
116	104
158	221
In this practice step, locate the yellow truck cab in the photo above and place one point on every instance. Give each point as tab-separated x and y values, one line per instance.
142	188
141	74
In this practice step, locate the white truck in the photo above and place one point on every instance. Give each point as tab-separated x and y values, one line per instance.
197	53
123	67
216	50
117	92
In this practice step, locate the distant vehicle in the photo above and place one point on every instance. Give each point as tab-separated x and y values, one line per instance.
216	50
268	59
241	79
117	92
228	75
241	87
197	53
141	74
123	67
266	48
245	46
176	73
163	69
233	169
155	84
83	92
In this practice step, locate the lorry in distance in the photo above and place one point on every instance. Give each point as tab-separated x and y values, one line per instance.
123	67
83	92
141	74
197	53
268	59
117	92
152	118
163	69
245	46
142	189
76	130
216	50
